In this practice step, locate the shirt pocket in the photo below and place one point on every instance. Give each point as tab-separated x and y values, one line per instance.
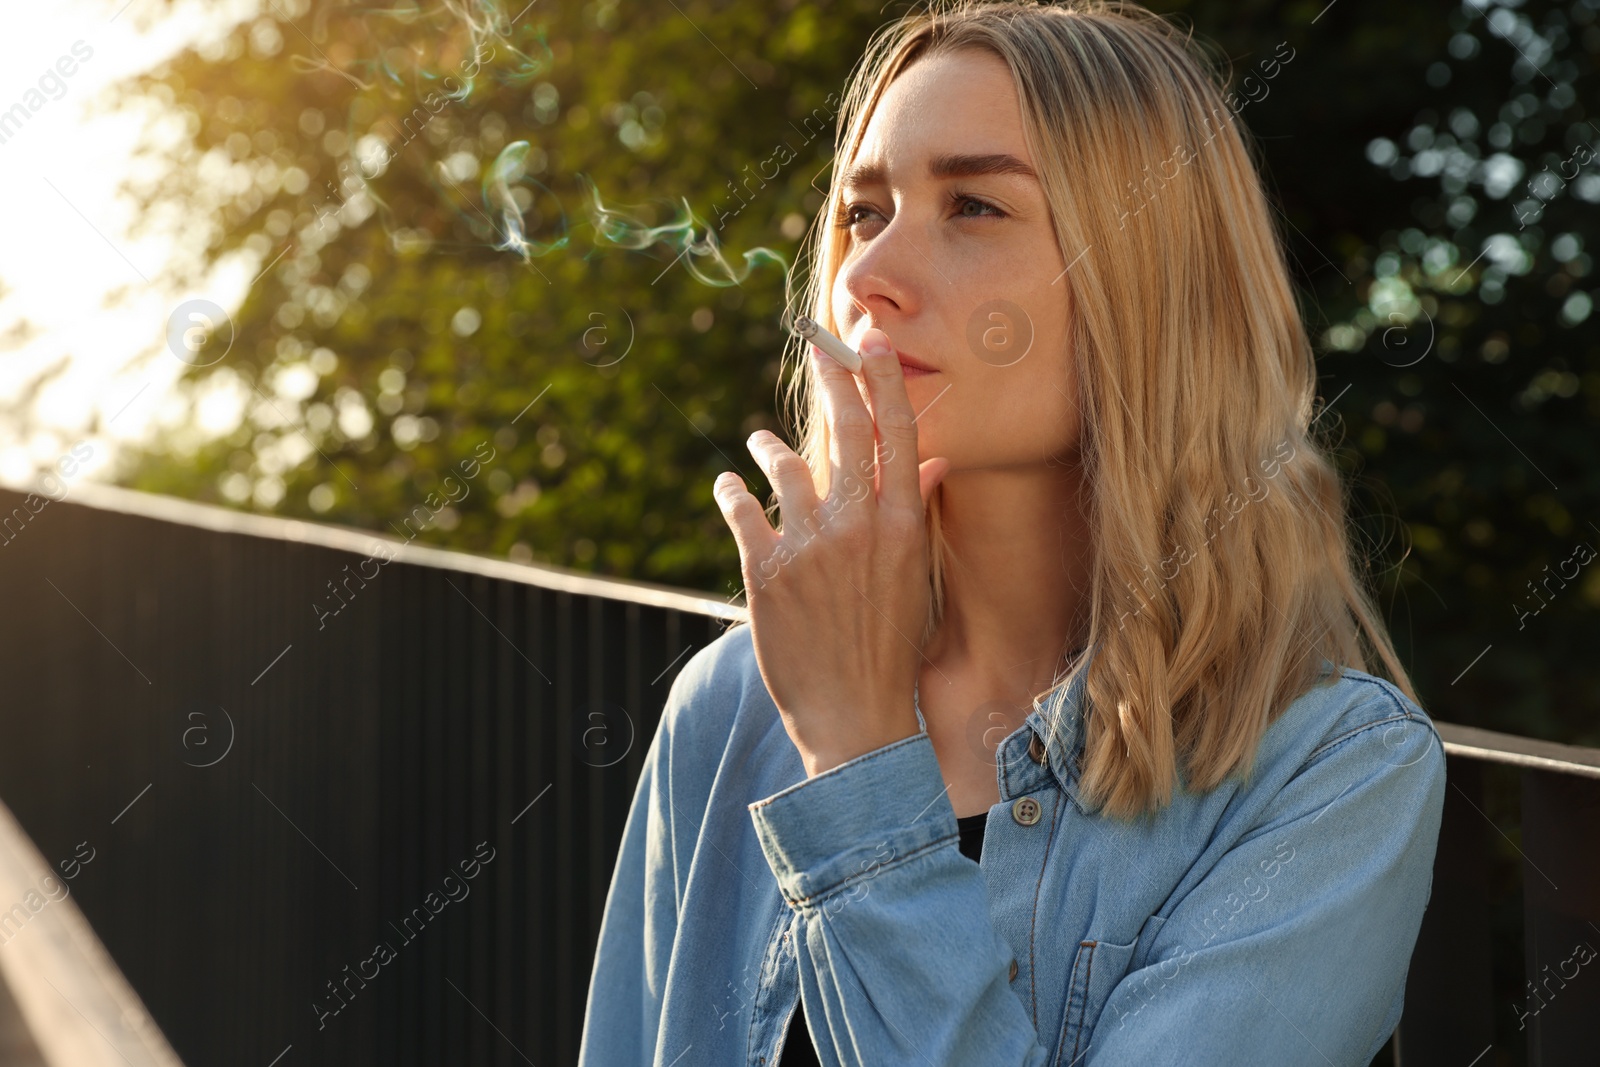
1096	970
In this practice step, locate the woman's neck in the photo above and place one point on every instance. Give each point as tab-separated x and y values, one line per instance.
1016	591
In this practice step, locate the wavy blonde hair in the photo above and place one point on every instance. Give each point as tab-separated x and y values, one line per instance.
1195	376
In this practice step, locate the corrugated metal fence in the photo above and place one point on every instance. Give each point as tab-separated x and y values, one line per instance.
283	749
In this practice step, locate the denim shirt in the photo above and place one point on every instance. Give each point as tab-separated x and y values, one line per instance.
1270	920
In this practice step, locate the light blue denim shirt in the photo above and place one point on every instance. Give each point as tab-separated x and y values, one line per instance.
1267	921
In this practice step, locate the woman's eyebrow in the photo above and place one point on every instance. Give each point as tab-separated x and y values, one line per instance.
944	165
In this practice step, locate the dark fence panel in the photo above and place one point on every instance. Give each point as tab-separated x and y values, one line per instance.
1449	1011
265	794
1561	902
1506	969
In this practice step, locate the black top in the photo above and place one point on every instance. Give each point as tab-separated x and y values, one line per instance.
797	1048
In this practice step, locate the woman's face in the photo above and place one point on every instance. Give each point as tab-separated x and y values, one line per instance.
959	267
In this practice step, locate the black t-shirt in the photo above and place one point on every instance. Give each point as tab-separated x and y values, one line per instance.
797	1048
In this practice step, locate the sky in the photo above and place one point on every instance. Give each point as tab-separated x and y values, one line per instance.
74	283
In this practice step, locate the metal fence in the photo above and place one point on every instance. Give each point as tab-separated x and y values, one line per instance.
1507	965
273	784
286	745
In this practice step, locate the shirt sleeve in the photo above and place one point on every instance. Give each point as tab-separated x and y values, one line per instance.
898	959
623	1014
1293	948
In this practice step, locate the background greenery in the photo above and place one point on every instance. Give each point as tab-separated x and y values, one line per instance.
1403	143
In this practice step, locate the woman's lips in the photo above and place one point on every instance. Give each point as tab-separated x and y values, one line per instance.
910	366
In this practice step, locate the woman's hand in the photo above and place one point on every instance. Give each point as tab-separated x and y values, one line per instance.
839	599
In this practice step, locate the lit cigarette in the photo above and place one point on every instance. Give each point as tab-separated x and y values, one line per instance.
817	335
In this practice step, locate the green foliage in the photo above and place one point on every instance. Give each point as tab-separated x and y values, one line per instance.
394	338
398	340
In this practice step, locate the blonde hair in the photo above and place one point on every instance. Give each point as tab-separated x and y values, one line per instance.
1195	376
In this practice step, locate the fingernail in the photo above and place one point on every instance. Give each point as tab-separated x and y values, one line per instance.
875	343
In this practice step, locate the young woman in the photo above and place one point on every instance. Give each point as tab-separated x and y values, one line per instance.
1063	587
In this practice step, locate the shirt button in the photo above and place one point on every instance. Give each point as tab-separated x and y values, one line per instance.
1013	976
1026	811
1036	750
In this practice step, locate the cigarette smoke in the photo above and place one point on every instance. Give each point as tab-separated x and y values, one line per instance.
702	257
399	90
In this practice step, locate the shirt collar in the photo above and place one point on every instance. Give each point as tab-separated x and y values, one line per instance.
1060	726
1057	721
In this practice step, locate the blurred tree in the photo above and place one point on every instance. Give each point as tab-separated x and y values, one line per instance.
1440	221
1432	165
351	153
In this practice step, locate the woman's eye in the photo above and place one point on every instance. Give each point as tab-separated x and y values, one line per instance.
961	202
851	215
847	217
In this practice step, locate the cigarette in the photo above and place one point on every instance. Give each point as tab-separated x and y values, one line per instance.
817	335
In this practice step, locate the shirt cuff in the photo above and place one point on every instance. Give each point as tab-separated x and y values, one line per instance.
855	820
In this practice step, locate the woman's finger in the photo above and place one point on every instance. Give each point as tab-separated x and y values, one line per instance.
851	438
790	476
898	483
745	517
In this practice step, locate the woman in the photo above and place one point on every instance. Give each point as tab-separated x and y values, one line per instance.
1067	571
